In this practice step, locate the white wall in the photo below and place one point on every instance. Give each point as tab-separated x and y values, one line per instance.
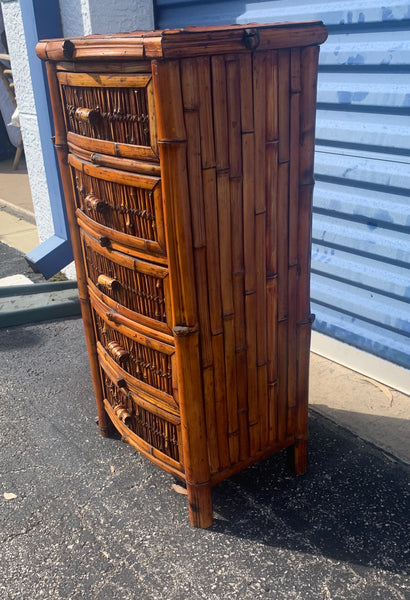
29	126
83	17
6	105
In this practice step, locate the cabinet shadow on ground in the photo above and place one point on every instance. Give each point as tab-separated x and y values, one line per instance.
352	505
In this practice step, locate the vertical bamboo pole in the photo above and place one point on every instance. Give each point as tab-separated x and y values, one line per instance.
248	145
205	112
308	69
292	350
215	311
62	153
224	156
272	158
176	201
248	208
196	100
294	154
225	254
294	150
238	352
238	277
260	64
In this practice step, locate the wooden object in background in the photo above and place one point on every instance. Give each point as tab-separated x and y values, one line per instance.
187	163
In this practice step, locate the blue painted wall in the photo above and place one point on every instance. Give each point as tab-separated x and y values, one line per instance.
41	19
361	224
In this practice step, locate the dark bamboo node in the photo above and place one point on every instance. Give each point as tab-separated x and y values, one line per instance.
172	142
228	317
262	363
217	332
198	484
308	321
199	246
240	349
184	330
207	365
307	185
232	434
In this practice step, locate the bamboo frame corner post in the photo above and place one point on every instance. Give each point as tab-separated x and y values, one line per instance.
187	163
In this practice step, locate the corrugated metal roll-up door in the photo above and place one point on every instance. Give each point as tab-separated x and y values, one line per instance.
361	224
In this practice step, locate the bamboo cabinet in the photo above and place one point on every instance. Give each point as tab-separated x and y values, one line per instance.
187	164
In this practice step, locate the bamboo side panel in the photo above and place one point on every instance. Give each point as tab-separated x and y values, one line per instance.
250	220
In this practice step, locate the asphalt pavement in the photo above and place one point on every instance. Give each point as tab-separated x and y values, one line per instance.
86	517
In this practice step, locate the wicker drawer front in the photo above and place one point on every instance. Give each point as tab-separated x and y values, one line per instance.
152	430
125	206
149	361
137	289
116	109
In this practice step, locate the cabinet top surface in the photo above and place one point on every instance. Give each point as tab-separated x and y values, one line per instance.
179	43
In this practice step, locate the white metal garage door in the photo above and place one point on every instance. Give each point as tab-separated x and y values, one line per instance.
361	241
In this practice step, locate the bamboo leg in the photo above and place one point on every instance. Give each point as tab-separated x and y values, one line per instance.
200	505
298	457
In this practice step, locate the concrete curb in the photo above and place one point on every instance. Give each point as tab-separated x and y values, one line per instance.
21	304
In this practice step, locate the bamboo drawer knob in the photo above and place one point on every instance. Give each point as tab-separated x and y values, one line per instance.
109	282
121	383
119	353
68	49
251	38
123	415
88	115
104	241
94	203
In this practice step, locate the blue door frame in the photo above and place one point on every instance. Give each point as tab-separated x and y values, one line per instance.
41	19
